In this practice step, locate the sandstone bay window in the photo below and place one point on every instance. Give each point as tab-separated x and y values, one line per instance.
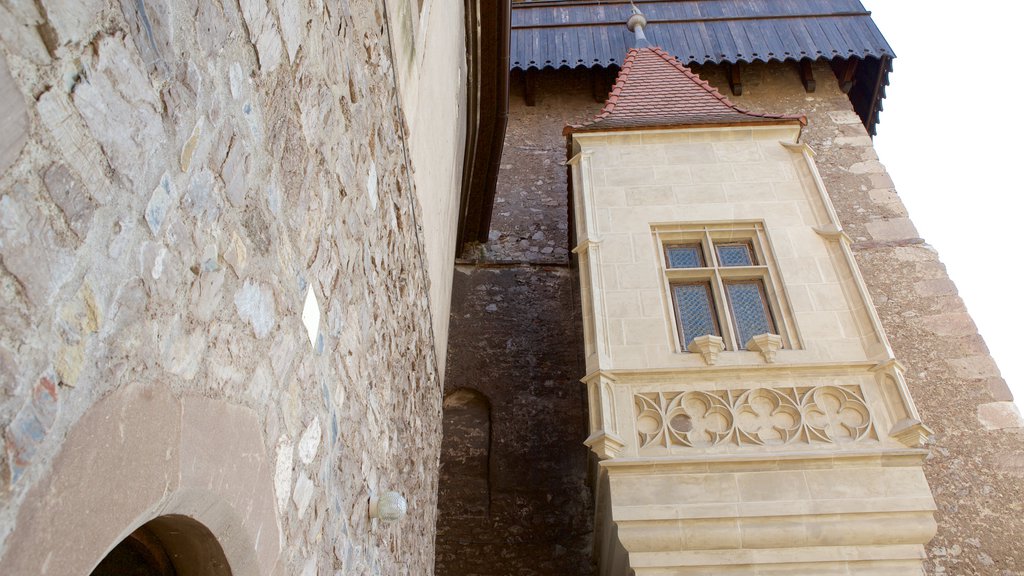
720	284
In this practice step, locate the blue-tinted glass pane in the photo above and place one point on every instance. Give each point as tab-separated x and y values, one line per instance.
693	304
684	257
749	313
734	255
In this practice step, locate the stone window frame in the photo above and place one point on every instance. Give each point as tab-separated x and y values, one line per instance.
708	235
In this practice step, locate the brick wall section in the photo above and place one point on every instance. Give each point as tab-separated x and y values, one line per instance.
173	176
513	338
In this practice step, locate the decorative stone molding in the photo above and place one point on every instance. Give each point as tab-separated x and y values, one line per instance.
908	428
766	344
709	347
753	417
832	232
604	439
911	433
605	444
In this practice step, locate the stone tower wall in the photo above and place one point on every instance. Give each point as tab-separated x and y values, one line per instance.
176	181
975	469
514	340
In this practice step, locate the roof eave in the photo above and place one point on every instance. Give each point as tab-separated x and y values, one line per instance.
571	130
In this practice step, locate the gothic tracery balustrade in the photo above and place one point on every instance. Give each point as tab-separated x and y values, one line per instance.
753	417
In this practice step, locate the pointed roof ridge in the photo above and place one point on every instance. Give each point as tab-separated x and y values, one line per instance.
654	90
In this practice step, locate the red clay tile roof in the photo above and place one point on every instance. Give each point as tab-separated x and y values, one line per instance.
653	90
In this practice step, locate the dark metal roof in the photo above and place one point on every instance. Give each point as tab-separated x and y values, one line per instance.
592	33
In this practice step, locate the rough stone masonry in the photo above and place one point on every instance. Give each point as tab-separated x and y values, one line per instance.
976	465
177	180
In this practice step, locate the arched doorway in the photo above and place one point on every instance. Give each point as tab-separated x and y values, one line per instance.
170	545
465	475
200	483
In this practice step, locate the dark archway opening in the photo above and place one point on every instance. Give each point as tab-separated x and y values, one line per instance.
166	546
465	479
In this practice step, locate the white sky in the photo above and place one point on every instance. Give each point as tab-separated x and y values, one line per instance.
950	136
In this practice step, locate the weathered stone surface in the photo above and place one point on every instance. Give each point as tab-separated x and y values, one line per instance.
121	109
309	444
32	246
527	500
998	415
974	472
949	370
68	193
263	33
72	20
20	31
255	305
891	229
69	135
169	198
13	118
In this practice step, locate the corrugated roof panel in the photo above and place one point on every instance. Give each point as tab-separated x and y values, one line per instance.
592	33
696	31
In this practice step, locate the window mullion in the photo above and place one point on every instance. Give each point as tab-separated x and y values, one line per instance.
709	250
725	323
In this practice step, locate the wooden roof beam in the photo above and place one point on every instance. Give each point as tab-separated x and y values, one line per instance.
807	75
846	71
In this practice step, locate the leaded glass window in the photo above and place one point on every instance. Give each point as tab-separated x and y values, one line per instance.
720	283
749	309
734	254
695	309
686	256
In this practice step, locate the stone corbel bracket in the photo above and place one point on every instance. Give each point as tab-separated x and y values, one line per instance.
605	445
833	232
709	347
604	439
767	344
907	428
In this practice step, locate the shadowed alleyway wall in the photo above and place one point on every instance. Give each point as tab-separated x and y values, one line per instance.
514	339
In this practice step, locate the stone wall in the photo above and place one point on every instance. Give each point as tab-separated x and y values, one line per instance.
514	340
208	223
759	479
976	467
430	63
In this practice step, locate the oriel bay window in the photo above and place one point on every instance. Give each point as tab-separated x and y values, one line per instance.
721	283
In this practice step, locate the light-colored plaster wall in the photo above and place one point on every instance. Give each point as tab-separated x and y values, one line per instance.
208	223
431	66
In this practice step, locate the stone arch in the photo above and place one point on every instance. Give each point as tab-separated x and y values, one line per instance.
171	545
143	457
465	477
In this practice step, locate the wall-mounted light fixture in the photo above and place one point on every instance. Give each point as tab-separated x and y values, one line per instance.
389	507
